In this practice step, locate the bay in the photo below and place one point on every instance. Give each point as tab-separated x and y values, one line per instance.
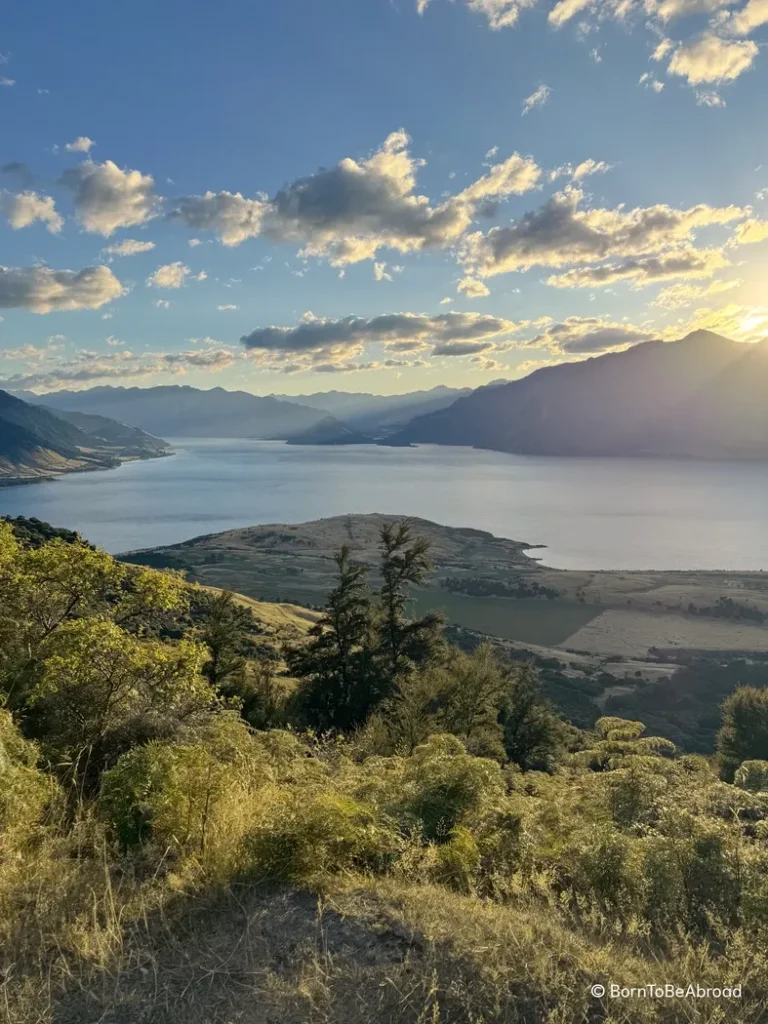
590	513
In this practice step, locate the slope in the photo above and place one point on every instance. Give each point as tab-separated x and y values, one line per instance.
703	396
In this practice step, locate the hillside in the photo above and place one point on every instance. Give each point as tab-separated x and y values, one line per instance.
703	396
330	431
379	414
233	848
177	411
37	442
130	440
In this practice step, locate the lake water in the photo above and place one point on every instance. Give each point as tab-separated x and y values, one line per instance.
591	513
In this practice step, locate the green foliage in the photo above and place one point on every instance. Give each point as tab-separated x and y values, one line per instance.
752	775
744	733
25	792
533	735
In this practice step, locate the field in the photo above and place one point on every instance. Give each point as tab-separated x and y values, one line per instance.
530	621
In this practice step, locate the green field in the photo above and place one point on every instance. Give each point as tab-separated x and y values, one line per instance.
530	621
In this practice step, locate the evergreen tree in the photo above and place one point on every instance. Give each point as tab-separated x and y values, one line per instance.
224	631
533	734
404	644
336	667
744	733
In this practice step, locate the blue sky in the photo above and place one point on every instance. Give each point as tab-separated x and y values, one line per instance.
380	195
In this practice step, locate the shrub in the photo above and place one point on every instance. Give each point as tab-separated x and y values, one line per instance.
752	775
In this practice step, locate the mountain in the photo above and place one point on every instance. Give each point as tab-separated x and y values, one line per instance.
379	413
38	442
703	396
330	431
190	412
111	433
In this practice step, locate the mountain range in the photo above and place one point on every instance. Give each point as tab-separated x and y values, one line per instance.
703	397
182	411
379	414
38	442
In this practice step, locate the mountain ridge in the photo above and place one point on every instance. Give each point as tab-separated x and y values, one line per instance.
703	396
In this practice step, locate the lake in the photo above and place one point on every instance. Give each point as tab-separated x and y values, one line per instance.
590	513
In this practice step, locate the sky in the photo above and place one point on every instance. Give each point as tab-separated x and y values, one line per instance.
374	195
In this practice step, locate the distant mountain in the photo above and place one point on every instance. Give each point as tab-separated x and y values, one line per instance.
190	412
37	442
112	433
379	413
330	431
704	396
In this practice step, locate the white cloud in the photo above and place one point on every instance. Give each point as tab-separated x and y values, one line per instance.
194	242
42	290
129	247
90	367
751	231
82	144
348	212
559	233
650	82
107	198
170	275
227	309
7	82
537	99
473	288
380	272
25	208
707	98
500	13
712	59
320	344
752	15
685	262
163	304
578	335
679	295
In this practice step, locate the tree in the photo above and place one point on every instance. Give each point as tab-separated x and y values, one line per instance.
340	685
744	732
223	630
404	644
533	734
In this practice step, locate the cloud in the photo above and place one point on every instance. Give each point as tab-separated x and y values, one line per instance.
586	335
536	99
707	98
753	15
668	10
42	290
461	348
89	367
559	233
7	82
82	144
472	288
348	212
227	309
390	329
679	295
380	272
129	247
650	82
162	304
107	198
317	345
685	262
500	13
25	208
170	275
712	59
751	231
